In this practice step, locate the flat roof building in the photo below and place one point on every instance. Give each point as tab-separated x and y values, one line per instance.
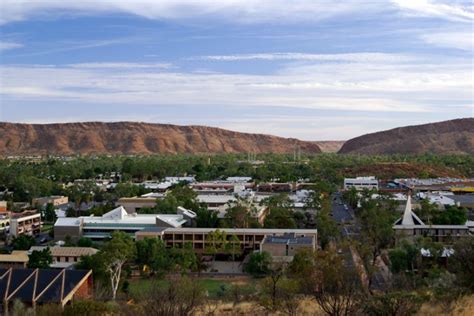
361	183
56	200
25	223
287	245
100	227
250	239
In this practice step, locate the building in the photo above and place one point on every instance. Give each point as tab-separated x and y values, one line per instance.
250	239
25	223
135	204
17	259
3	206
65	257
410	227
101	227
361	183
221	202
4	222
42	286
287	245
55	200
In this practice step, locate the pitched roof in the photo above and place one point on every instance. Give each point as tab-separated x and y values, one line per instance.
409	217
67	251
41	285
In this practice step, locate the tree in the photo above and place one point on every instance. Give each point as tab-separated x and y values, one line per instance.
206	218
241	213
259	264
41	259
116	253
97	264
216	243
48	214
84	242
336	287
279	217
23	242
326	225
376	227
181	296
461	261
351	196
392	304
452	215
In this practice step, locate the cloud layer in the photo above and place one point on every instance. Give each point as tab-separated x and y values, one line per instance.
388	83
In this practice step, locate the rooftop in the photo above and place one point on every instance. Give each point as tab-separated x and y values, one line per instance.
15	256
289	240
66	251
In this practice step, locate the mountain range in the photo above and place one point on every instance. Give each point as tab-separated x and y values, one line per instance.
448	137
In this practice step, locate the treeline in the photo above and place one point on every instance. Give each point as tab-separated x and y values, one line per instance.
28	179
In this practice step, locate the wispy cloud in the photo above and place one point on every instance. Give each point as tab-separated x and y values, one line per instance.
392	86
240	11
356	57
454	10
73	46
115	65
9	45
463	40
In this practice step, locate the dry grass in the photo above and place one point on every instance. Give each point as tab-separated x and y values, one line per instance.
462	307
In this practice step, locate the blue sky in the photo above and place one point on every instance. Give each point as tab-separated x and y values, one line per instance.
315	70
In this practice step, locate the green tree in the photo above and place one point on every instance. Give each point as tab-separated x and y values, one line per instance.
336	287
48	214
461	261
326	225
376	227
23	242
41	259
279	217
116	253
84	242
259	264
216	243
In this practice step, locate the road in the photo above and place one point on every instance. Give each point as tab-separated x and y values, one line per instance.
345	217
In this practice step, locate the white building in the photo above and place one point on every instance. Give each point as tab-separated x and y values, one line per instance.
361	183
100	227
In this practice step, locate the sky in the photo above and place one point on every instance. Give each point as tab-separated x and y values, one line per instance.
309	69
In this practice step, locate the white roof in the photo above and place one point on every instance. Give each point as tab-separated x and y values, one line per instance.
68	221
172	219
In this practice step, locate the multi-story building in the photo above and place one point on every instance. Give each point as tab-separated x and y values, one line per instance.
287	245
361	183
101	227
25	223
55	200
250	239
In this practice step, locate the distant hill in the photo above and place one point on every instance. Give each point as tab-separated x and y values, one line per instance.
136	138
448	137
330	146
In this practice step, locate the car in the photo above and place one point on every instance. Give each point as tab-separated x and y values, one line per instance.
43	240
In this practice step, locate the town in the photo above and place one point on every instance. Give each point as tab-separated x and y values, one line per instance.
225	229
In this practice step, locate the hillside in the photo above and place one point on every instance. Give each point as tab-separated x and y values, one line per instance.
330	146
136	138
448	137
